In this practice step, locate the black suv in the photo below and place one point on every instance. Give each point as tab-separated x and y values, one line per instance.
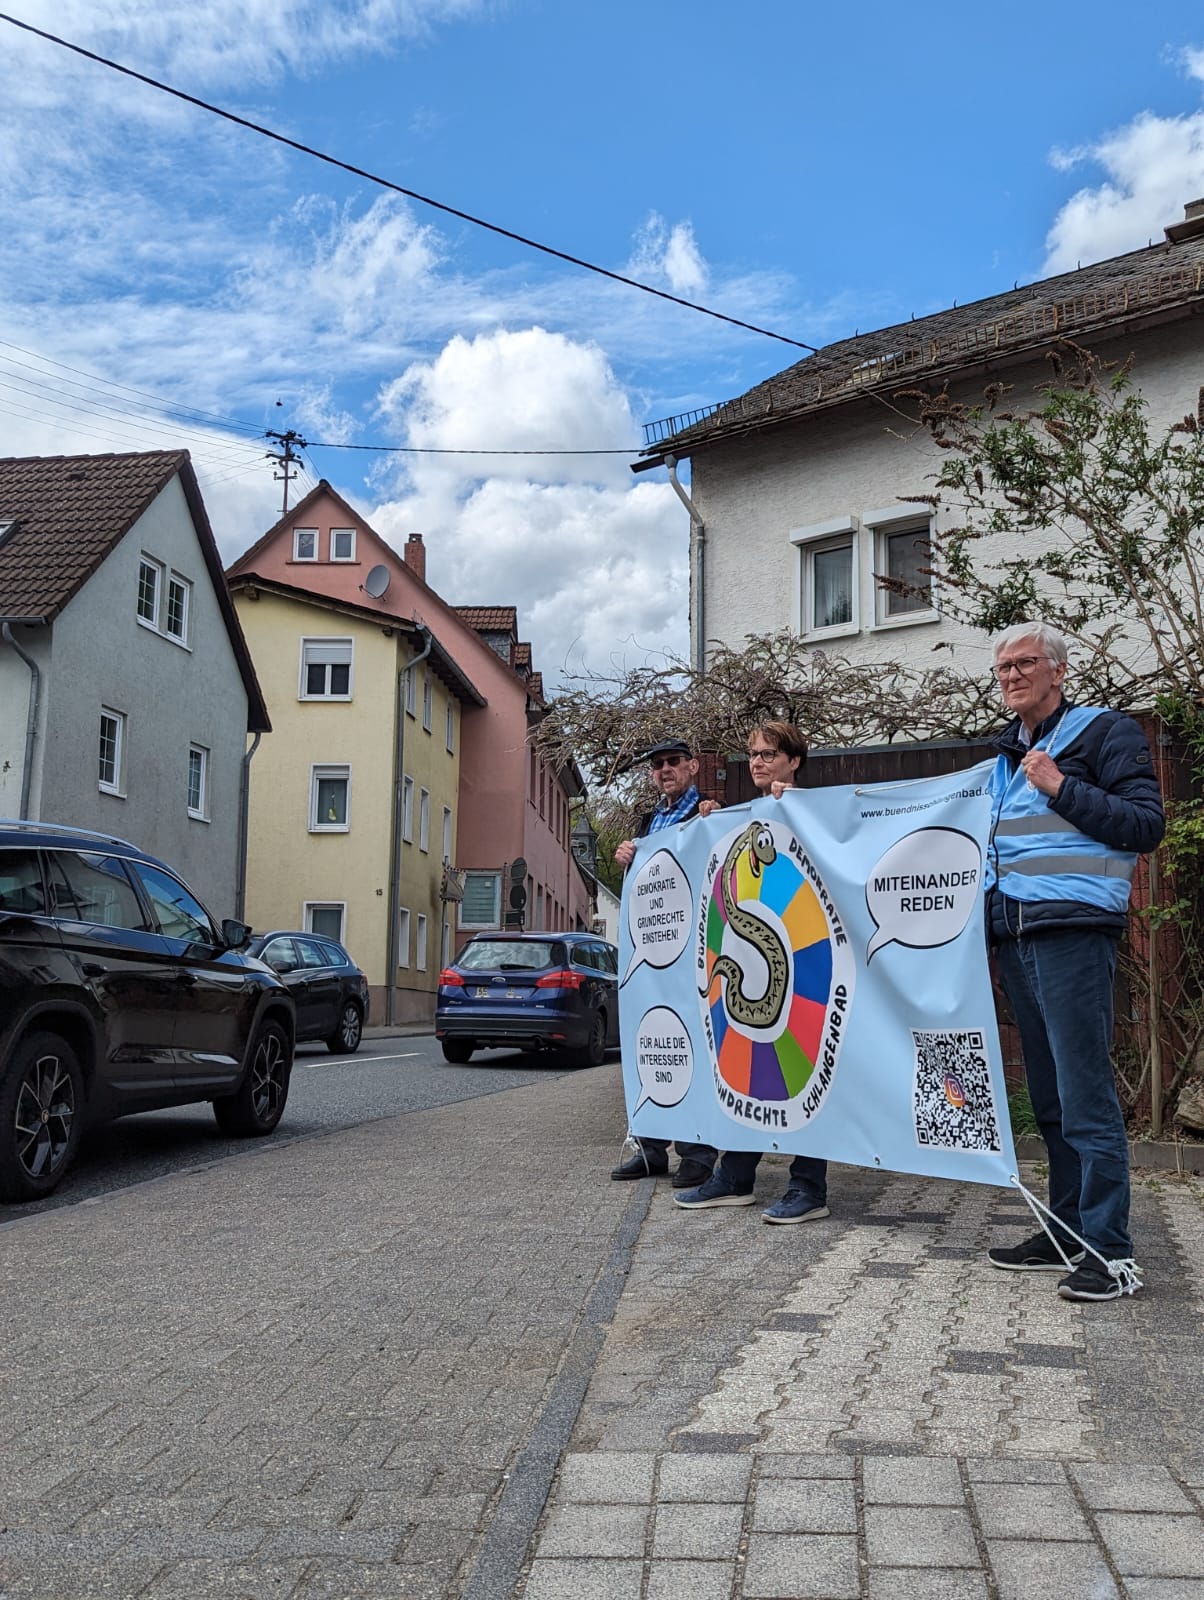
119	993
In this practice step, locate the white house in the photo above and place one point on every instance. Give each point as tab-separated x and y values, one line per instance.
798	492
126	688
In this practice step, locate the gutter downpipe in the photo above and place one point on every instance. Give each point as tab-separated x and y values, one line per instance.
31	719
697	570
399	741
244	822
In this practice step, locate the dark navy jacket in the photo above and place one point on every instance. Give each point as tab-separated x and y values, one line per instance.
1109	792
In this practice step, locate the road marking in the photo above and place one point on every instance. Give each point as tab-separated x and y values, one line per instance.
338	1061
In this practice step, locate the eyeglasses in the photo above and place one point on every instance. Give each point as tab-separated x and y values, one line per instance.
666	761
764	755
1022	666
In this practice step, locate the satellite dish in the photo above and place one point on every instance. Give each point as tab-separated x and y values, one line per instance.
377	581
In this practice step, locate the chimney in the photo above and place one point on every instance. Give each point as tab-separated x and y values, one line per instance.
1192	224
415	554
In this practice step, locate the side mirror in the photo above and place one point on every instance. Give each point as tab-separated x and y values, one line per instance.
235	934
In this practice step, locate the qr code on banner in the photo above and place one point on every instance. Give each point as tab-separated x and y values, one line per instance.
953	1105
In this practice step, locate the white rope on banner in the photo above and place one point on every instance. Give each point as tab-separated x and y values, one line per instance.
1126	1272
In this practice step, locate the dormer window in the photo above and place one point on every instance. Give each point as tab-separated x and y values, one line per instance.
305	544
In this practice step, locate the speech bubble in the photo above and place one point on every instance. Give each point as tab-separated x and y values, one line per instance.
664	1058
660	907
922	890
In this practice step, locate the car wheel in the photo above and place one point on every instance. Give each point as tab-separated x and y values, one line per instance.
258	1104
41	1116
345	1040
458	1051
593	1051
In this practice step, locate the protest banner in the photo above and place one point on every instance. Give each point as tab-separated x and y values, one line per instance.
809	975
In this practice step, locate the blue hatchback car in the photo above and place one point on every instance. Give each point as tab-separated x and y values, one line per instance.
536	991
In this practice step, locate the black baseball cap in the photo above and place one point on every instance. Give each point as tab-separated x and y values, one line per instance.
670	747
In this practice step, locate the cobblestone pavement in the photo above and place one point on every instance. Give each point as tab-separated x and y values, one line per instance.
443	1356
307	1371
898	1422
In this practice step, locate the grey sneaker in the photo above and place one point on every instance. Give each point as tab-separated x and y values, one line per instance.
716	1191
796	1205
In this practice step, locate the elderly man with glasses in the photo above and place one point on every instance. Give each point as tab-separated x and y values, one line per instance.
1076	802
673	767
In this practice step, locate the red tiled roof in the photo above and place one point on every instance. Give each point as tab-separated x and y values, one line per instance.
71	511
522	654
489	619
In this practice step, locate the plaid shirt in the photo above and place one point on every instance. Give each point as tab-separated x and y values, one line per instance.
666	815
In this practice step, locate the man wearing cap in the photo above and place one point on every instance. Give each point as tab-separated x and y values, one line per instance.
673	768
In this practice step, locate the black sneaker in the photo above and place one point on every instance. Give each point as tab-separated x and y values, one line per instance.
1037	1254
641	1165
1091	1283
690	1174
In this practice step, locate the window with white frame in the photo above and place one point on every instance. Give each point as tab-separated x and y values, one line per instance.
150	583
342	544
305	544
325	918
175	616
428	702
420	944
111	774
198	782
451	725
407	809
411	692
827	583
424	819
325	669
447	835
330	800
481	906
902	567
445	943
403	936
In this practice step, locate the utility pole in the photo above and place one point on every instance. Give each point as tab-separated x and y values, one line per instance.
287	456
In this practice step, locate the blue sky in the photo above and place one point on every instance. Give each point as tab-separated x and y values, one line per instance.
814	169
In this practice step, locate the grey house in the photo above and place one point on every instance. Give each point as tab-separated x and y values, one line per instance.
126	688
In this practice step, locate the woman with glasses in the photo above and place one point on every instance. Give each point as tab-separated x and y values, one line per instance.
776	750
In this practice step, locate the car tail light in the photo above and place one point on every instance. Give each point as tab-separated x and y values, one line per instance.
565	978
449	978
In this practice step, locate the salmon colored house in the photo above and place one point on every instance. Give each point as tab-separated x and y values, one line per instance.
513	823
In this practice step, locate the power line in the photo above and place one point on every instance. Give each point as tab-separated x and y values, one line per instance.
433	450
144	394
410	194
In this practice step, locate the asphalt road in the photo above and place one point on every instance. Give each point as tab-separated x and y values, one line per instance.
385	1078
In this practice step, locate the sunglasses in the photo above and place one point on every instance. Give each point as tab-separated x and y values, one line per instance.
674	760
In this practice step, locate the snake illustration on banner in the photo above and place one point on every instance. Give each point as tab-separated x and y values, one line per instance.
773	1019
757	840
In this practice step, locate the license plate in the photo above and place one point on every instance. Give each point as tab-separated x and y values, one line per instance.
498	994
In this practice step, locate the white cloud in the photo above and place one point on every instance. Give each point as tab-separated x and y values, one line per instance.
1152	167
668	256
587	554
240	41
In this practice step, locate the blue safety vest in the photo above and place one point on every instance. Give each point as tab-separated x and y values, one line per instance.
1037	855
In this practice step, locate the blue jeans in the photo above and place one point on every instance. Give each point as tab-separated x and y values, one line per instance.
739	1169
1060	988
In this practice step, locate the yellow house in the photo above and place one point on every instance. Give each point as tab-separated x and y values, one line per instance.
352	802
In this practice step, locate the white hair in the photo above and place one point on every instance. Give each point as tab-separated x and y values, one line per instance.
1044	634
